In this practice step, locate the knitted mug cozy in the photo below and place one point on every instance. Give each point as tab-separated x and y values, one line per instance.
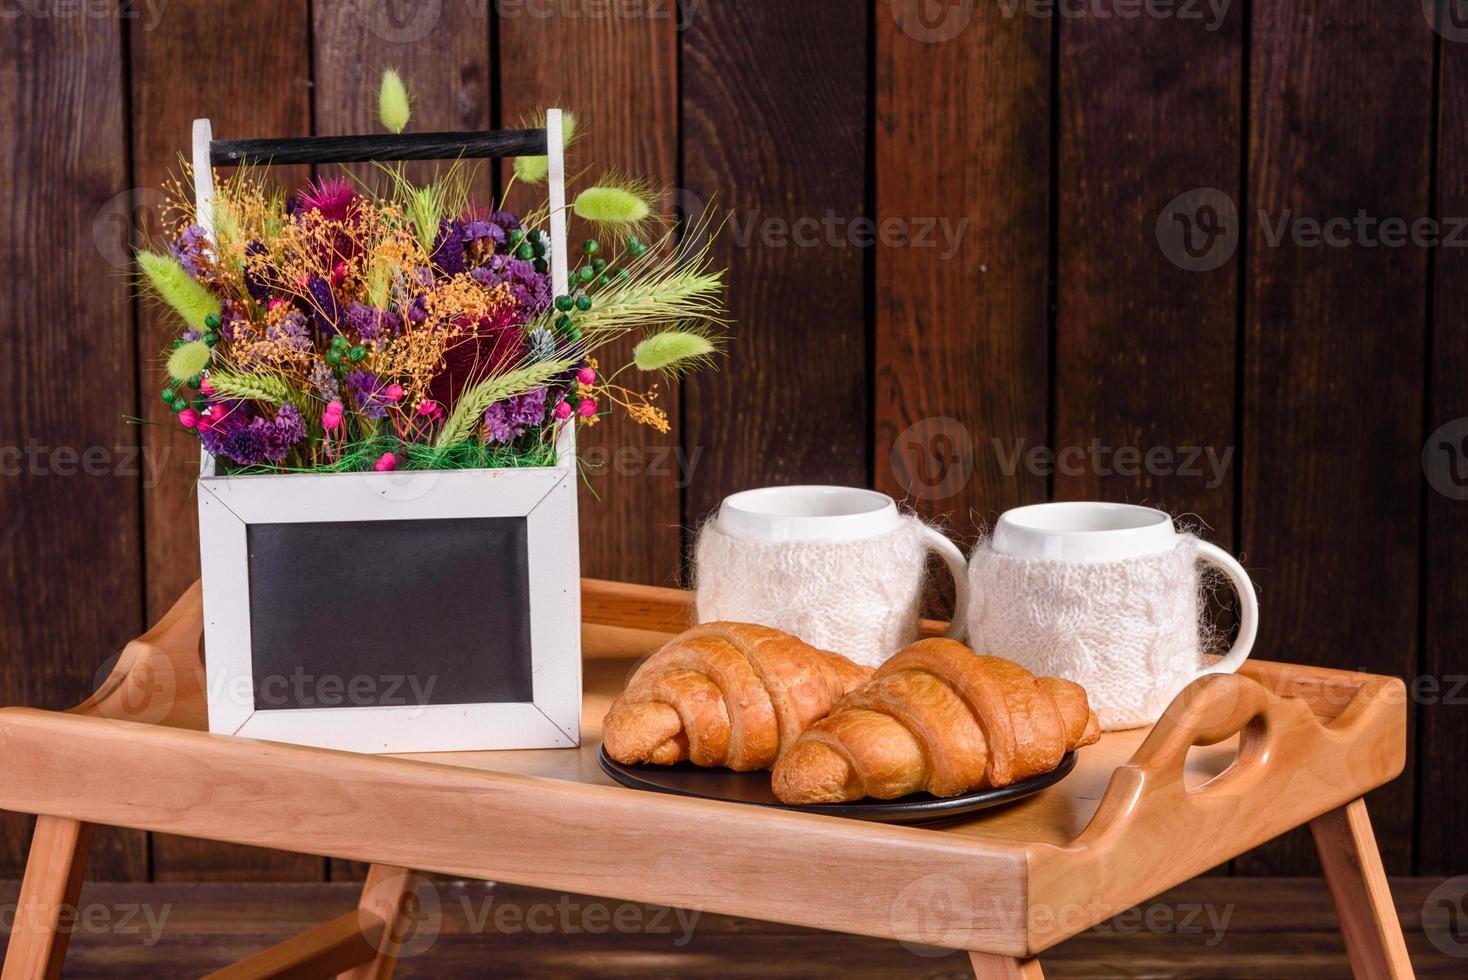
860	598
1130	631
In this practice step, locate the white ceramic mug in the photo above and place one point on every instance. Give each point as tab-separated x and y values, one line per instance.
839	567
1106	595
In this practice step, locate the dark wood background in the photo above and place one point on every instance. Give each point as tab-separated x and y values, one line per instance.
1054	144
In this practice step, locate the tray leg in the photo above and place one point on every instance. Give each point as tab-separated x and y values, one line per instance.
989	966
46	911
388	894
1358	887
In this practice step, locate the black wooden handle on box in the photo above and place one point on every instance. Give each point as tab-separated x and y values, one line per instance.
361	149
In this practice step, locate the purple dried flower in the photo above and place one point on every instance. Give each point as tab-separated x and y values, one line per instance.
531	290
367	393
248	441
279	436
448	248
323	305
292	330
323	379
371	323
509	419
257	282
190	248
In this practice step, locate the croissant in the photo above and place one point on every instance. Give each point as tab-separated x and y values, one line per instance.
726	694
937	718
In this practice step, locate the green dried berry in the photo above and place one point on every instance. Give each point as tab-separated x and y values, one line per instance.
358	354
591	246
563	303
583	303
526	252
212	321
168	396
599	264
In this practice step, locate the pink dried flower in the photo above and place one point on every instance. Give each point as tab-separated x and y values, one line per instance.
188	418
563	410
392	392
332	417
586	376
587	408
430	409
387	461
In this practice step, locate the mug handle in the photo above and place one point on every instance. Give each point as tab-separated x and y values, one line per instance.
951	556
1248	609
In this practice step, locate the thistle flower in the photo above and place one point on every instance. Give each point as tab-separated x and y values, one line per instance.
368	393
674	351
533	170
394	105
333	197
172	283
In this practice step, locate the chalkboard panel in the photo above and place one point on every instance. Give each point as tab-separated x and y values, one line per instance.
388	613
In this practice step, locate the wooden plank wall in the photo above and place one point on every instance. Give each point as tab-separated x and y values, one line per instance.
960	233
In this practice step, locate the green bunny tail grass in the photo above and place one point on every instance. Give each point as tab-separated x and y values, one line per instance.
533	170
394	105
189	359
468	413
673	352
616	205
256	387
181	291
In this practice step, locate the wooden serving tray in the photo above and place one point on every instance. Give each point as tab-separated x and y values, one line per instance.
1237	760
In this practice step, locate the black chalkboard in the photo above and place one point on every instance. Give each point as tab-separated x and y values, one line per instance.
384	613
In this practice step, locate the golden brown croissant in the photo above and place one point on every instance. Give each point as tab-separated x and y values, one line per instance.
940	719
726	694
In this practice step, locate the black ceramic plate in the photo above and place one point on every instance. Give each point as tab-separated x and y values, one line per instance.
686	779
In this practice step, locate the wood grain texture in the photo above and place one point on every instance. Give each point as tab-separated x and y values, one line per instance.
1145	343
1332	428
775	127
45	913
70	551
247	69
1208	929
1442	848
1361	893
618	72
443	52
961	351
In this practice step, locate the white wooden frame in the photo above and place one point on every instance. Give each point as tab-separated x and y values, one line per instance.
544	496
